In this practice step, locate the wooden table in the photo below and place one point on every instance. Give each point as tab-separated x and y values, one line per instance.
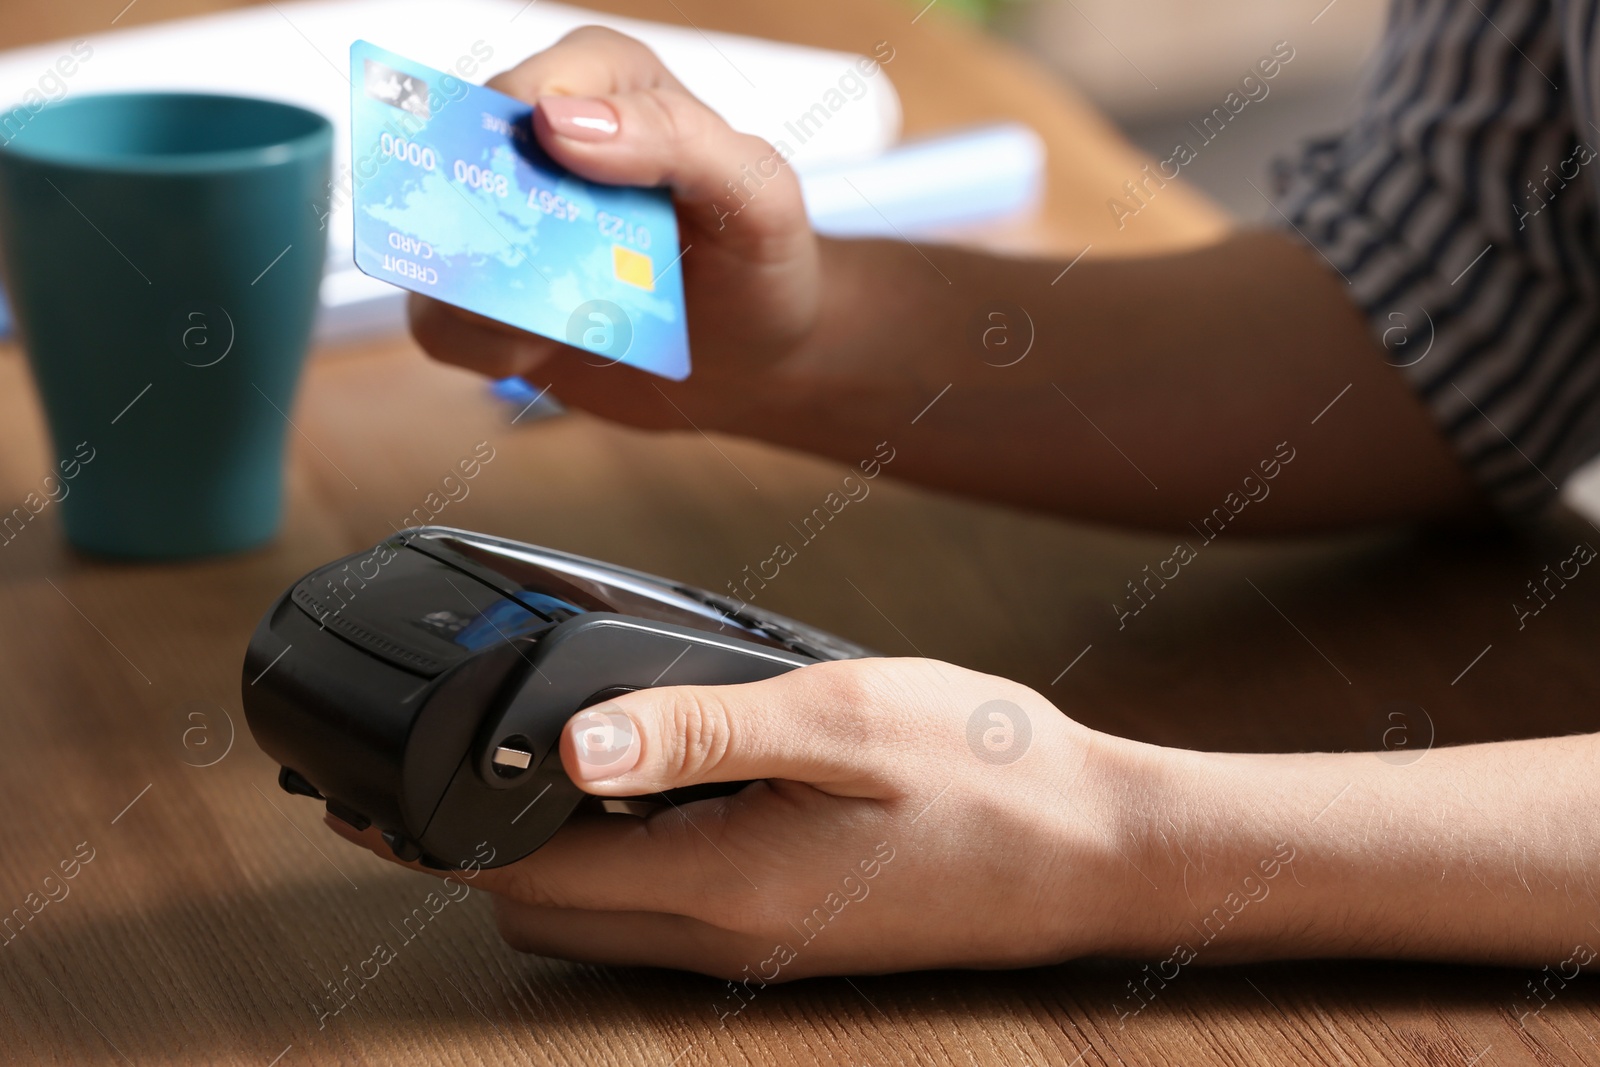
215	907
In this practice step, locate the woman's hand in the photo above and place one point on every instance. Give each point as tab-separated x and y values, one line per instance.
907	814
607	109
911	814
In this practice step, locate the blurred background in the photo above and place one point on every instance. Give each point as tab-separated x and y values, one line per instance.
1154	66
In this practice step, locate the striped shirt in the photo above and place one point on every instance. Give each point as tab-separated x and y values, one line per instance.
1460	207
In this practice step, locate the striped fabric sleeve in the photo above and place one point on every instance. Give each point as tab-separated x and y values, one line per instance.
1460	209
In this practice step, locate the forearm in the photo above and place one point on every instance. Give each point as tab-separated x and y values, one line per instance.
1481	853
1151	389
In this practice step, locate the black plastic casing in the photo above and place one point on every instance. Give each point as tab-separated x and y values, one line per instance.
385	681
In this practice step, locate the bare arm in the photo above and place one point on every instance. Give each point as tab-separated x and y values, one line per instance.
1152	387
1481	853
1032	839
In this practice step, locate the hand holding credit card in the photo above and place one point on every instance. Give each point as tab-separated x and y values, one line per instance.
455	200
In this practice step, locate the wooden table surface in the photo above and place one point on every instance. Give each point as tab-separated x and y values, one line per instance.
215	907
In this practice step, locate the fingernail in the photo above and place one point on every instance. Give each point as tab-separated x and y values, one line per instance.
582	118
606	742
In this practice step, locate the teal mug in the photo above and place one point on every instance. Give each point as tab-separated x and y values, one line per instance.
162	253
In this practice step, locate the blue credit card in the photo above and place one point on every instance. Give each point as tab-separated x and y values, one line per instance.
454	199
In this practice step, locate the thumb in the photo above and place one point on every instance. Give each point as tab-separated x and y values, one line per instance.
822	725
663	136
607	109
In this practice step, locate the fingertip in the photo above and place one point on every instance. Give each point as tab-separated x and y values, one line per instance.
586	119
600	744
591	141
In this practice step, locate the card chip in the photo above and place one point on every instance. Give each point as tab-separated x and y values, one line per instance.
632	267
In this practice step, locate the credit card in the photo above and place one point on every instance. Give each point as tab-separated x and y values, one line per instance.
455	199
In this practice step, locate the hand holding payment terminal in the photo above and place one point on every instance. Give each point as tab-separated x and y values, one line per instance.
421	686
